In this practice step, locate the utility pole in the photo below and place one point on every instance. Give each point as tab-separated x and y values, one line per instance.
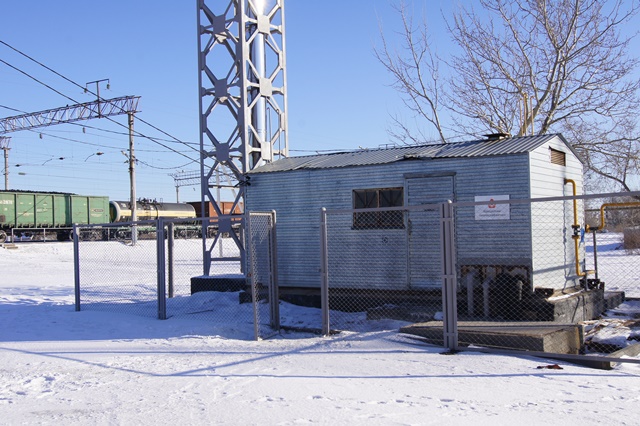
4	145
131	156
132	179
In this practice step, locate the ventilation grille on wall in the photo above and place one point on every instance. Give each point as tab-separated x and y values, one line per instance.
558	157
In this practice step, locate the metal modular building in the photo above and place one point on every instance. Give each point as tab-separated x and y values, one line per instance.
520	237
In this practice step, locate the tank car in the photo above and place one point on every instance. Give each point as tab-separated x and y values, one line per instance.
120	211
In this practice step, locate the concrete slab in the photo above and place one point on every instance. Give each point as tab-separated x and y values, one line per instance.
527	336
593	361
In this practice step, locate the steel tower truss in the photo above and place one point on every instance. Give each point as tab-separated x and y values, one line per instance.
243	100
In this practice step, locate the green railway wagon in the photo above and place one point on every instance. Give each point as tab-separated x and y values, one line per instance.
7	209
89	210
35	213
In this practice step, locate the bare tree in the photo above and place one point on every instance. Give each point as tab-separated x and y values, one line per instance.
531	67
566	57
415	73
610	151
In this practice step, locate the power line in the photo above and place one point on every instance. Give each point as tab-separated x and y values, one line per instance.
81	87
90	143
38	81
166	168
13	109
85	89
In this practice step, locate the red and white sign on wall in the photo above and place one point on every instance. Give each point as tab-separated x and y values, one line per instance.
492	210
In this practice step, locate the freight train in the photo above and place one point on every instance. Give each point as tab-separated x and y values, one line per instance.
51	215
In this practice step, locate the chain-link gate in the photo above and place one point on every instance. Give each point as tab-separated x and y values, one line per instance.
381	268
262	273
114	275
216	299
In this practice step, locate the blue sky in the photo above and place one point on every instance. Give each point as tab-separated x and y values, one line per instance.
339	95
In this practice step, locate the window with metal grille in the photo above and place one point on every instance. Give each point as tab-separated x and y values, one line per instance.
374	198
558	157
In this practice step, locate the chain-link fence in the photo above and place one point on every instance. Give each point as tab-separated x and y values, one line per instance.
550	271
534	275
262	272
161	274
214	298
520	279
612	241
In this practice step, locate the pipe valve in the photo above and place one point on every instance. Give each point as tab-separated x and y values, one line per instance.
576	230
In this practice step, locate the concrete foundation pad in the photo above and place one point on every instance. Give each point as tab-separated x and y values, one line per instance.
527	336
613	299
218	283
571	306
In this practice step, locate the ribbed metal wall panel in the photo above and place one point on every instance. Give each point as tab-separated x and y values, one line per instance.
553	250
298	196
425	256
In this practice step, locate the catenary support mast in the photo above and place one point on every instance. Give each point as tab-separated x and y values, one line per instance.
4	145
100	108
243	100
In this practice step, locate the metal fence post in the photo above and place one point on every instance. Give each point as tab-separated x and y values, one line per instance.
170	230
76	265
162	299
243	253
324	272
206	255
251	273
274	294
449	290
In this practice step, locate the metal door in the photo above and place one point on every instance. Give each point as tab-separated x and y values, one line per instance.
423	228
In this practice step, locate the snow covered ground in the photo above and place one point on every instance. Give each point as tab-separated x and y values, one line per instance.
617	267
58	366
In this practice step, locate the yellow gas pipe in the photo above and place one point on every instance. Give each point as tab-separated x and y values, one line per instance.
604	206
575	236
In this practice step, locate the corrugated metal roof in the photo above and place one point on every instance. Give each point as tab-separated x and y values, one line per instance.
363	157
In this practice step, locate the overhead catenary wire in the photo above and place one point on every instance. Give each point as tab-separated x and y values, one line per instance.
137	133
77	85
91	143
13	109
87	126
115	148
191	146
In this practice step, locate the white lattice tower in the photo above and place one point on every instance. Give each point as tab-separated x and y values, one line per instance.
243	99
